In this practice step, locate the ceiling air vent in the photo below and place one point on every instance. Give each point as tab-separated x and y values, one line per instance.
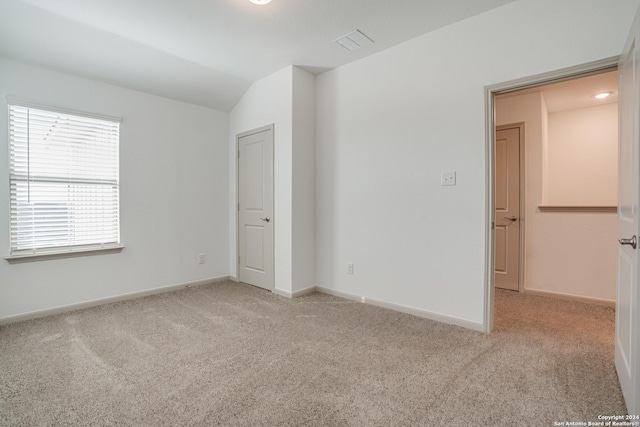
354	40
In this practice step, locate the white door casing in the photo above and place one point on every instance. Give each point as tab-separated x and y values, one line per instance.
626	340
507	207
255	208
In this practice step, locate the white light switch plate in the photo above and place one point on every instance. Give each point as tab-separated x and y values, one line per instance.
448	178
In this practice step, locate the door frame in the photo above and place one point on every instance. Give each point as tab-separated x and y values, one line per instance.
521	199
237	207
491	91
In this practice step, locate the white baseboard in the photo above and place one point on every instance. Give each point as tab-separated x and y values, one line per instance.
295	294
570	297
305	291
383	304
100	301
282	293
405	309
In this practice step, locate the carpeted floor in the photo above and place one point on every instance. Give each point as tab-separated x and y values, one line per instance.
231	354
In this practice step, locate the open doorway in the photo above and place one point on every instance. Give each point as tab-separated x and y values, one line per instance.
567	185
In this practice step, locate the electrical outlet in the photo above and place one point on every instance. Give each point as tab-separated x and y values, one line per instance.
349	268
448	178
201	259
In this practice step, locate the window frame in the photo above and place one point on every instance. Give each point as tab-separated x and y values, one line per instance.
63	250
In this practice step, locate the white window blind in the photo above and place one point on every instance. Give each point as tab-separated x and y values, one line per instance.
64	181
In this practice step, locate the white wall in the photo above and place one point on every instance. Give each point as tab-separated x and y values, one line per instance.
174	192
268	101
304	180
565	252
272	101
583	157
388	124
573	254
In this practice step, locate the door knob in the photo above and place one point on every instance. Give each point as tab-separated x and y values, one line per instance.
512	218
267	219
632	242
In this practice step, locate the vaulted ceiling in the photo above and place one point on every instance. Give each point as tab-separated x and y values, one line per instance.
208	52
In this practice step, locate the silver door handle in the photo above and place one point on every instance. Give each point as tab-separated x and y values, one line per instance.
267	219
512	218
632	242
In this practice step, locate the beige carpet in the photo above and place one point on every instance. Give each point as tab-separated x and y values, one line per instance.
230	354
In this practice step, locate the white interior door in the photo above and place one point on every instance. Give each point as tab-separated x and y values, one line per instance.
628	179
507	203
255	208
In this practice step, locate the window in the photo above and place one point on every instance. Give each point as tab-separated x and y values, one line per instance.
64	181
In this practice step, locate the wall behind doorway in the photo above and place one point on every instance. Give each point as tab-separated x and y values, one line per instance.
568	253
582	162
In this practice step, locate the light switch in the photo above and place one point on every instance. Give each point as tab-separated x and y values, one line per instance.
448	178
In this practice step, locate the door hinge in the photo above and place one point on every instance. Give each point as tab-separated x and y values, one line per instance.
238	259
238	153
238	207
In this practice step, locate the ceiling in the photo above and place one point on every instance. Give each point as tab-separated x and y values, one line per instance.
575	93
208	52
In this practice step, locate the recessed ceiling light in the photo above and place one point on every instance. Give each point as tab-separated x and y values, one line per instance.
260	2
602	95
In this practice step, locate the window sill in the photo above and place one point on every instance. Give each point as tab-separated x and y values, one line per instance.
14	259
611	209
